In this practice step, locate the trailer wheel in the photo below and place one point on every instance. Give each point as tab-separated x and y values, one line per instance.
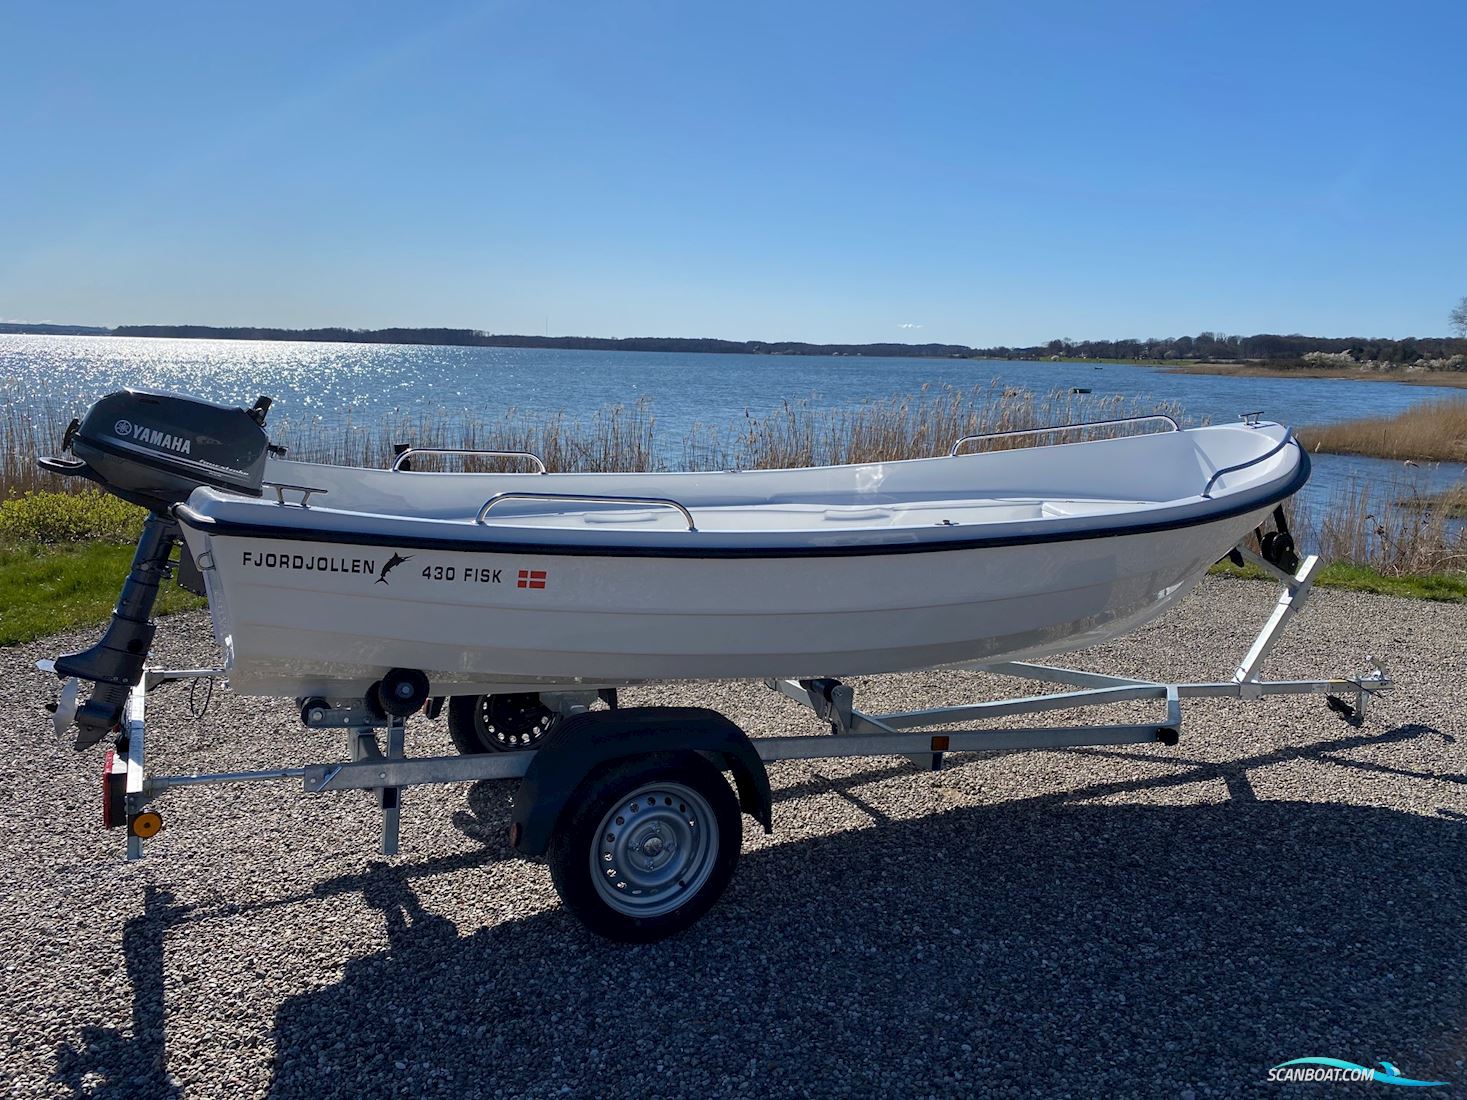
498	723
646	846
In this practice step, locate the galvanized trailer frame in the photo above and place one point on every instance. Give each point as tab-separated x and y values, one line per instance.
382	767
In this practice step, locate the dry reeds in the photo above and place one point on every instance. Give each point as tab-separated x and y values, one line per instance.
624	437
924	424
1432	431
1390	526
25	436
617	438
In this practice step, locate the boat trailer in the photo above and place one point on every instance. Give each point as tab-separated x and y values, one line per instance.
554	774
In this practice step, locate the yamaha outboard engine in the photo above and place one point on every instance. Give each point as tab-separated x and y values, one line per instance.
152	449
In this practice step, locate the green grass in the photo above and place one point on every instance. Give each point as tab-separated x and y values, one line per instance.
63	558
1442	587
48	589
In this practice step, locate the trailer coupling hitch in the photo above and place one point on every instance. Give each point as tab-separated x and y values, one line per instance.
1375	682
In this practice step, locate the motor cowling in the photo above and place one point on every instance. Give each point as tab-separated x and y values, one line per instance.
154	449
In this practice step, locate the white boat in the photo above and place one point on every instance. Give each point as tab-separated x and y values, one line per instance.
364	593
520	581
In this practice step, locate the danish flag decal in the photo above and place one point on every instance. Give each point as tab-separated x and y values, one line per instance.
531	578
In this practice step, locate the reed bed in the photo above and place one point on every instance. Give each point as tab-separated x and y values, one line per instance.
624	437
618	438
24	436
1432	431
1392	528
920	426
1453	502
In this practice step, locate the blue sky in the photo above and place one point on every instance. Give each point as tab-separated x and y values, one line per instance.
830	172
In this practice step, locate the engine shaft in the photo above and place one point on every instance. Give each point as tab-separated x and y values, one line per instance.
116	662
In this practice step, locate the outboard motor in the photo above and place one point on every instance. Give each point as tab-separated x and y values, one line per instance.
151	449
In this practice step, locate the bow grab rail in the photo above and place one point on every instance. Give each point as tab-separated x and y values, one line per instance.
654	502
407	454
1288	438
953	450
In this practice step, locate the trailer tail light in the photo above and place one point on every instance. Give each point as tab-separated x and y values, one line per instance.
114	791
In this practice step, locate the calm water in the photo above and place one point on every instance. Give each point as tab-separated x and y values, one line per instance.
330	383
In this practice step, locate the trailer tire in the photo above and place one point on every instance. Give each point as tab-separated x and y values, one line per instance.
646	845
498	723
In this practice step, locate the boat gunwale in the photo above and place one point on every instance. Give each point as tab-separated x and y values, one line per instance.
1226	507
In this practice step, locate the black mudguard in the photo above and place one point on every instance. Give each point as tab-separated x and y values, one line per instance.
577	746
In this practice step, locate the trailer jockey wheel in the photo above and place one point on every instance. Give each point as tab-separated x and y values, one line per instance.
499	723
646	845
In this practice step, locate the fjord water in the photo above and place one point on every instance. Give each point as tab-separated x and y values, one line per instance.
335	384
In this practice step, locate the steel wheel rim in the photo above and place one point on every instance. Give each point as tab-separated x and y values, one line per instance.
654	850
512	722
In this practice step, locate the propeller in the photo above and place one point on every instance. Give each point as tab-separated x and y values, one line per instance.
63	711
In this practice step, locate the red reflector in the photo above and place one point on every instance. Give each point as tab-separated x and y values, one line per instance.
107	786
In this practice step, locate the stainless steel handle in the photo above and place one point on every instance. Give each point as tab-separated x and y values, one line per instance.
654	502
1288	438
953	450
407	454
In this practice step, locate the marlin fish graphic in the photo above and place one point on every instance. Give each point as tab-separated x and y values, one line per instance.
392	563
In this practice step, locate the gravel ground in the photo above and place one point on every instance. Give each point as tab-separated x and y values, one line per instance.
1145	921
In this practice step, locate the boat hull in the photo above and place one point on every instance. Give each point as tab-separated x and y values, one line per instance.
300	617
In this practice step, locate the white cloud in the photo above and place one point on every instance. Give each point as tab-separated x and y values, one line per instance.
908	324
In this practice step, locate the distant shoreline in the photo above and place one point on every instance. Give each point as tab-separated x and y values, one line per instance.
1262	356
439	337
451	338
1454	379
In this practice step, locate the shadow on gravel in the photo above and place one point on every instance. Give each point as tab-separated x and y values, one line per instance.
1041	947
108	1063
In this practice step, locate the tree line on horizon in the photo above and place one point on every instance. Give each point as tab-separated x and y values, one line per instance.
1204	346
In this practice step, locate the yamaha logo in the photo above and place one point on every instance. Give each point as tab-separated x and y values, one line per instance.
141	433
